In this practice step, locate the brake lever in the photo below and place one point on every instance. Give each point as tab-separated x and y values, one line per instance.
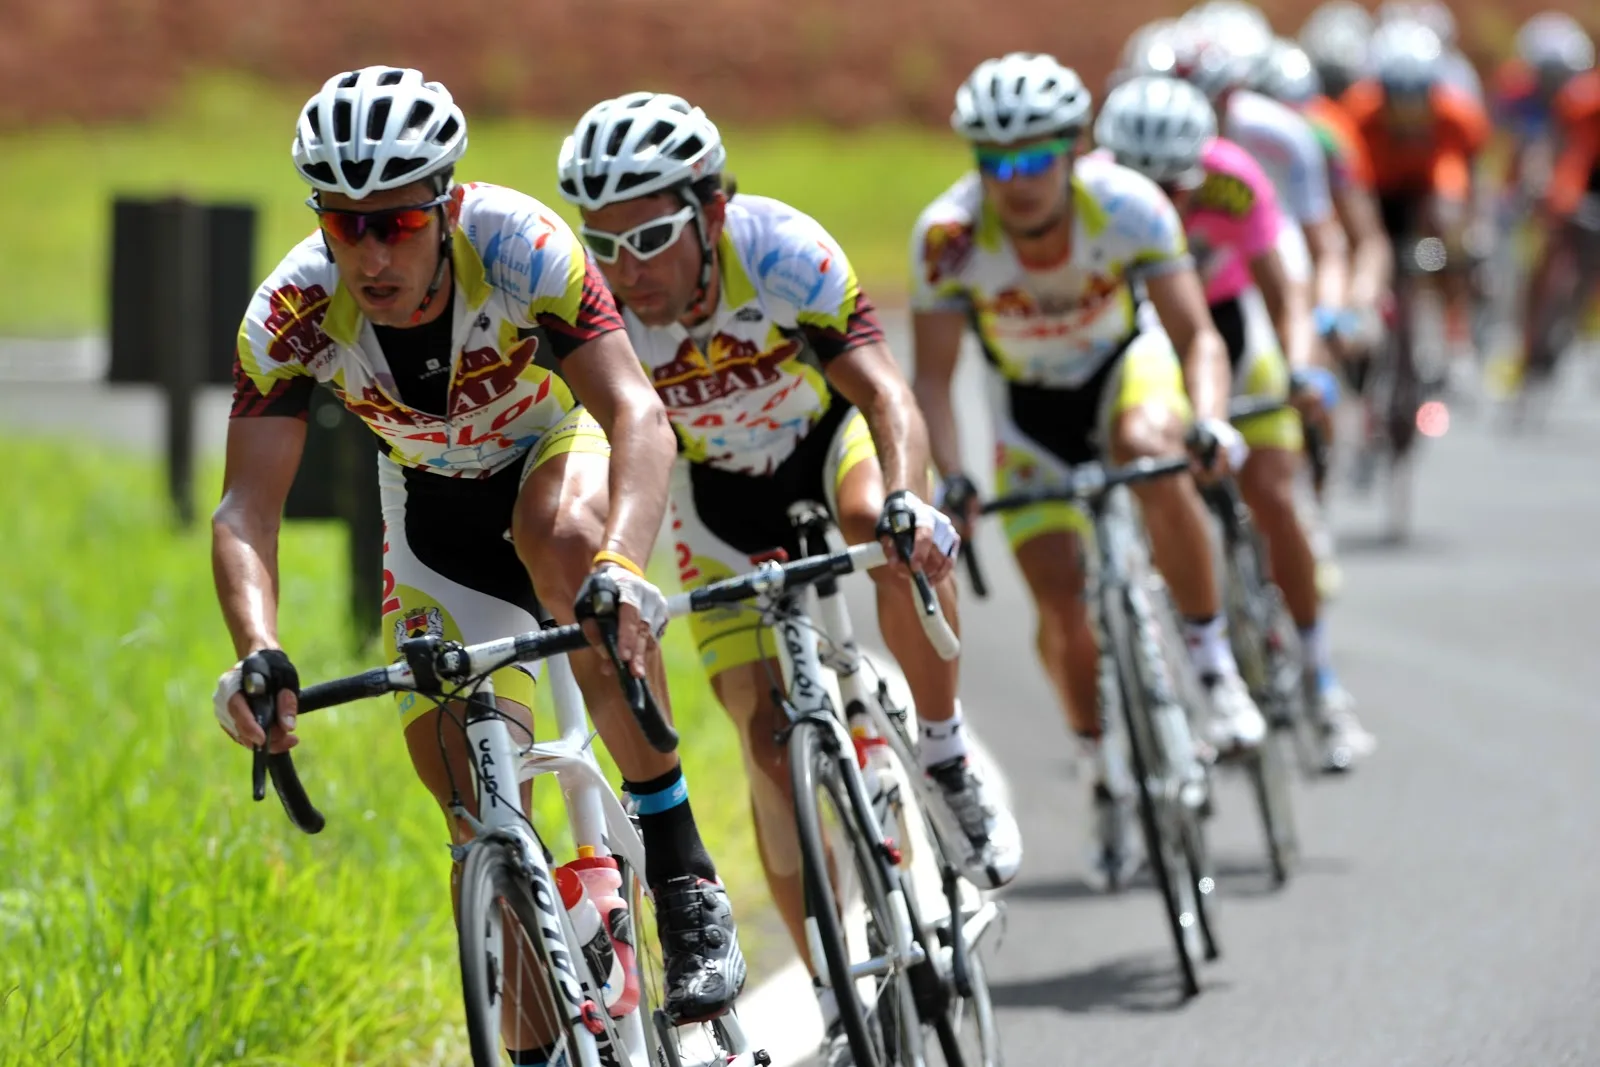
263	707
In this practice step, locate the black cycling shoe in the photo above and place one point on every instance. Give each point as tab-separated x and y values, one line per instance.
705	969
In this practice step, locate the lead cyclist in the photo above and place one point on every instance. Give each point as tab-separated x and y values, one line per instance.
438	313
748	319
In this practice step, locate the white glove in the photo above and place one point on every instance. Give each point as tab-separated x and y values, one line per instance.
945	538
1228	439
646	598
231	682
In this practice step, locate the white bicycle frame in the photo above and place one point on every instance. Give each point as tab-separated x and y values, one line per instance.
598	820
805	650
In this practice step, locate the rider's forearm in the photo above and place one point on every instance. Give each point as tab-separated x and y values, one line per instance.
1370	264
1205	373
939	416
900	436
1330	259
642	451
244	563
1291	318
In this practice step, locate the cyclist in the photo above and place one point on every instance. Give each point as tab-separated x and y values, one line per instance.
1335	37
748	318
438	313
1049	257
1422	135
1571	216
1222	50
1165	129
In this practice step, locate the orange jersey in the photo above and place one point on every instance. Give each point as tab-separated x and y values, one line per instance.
1437	158
1577	170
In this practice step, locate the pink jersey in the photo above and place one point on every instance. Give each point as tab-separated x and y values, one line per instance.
1231	219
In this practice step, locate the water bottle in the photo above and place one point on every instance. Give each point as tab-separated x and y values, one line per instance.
602	885
592	935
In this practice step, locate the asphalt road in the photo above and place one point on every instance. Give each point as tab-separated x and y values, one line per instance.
1445	911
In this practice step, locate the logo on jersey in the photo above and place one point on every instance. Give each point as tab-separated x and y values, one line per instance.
732	366
513	262
946	247
796	273
294	320
1225	193
419	622
485	375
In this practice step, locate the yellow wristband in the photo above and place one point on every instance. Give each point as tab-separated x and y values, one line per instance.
608	556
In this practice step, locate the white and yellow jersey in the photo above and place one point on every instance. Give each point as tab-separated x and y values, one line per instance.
1049	326
746	386
524	289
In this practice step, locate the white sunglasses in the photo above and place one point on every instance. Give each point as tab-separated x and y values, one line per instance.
646	240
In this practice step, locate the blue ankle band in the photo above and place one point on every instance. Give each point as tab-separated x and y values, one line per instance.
667	799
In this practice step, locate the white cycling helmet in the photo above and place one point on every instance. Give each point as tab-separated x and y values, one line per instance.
1018	96
1335	37
637	145
1406	57
1159	127
1222	47
1289	76
378	128
1432	14
1553	41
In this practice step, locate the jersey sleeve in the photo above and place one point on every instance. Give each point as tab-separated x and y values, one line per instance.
1147	234
941	247
279	339
1308	197
529	253
1259	234
806	281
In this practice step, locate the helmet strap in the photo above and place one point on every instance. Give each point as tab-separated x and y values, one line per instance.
708	258
439	272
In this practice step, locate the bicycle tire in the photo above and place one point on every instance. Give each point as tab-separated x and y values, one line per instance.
493	891
1166	858
875	1036
966	1029
1253	605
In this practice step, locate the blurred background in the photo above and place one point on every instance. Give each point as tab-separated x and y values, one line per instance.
149	912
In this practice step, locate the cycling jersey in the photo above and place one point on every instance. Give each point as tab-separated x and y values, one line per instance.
1287	149
1231	219
1436	159
1342	147
744	397
526	297
1519	108
1577	170
1069	341
1051	326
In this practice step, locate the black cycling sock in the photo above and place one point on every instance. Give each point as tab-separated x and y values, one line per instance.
672	844
530	1057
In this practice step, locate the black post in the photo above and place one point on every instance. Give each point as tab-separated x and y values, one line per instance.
182	250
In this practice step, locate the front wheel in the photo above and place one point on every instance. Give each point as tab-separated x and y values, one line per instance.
513	994
849	916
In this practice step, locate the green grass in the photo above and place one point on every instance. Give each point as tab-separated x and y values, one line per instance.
229	140
150	912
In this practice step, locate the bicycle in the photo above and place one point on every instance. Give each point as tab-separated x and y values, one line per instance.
511	911
1402	390
1577	243
1266	646
896	972
1138	640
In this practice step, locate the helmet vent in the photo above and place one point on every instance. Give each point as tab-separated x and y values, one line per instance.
341	122
391	77
349	80
378	118
399	168
446	131
356	172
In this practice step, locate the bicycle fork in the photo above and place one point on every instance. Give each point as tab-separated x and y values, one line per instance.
809	700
